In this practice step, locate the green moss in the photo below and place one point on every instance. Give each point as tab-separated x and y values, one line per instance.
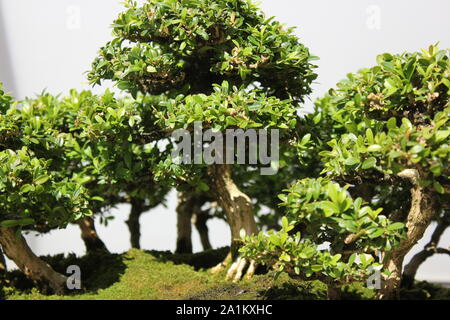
139	275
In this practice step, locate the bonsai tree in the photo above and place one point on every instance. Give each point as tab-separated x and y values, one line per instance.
34	190
221	63
383	136
64	159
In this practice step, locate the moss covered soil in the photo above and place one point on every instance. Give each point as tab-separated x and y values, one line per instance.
151	275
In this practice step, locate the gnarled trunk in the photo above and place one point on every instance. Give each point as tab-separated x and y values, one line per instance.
90	236
409	274
237	205
17	249
424	206
199	220
134	226
2	262
185	207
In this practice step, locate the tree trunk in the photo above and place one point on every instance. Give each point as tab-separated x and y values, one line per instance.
186	203
90	237
200	220
424	206
2	262
134	226
409	274
17	249
237	205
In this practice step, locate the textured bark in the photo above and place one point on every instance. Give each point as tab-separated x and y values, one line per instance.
199	220
134	226
409	274
90	237
424	206
17	250
2	262
186	202
236	205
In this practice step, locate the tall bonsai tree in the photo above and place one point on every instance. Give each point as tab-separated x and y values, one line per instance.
221	63
383	135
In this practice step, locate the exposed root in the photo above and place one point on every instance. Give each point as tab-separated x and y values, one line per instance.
237	269
221	266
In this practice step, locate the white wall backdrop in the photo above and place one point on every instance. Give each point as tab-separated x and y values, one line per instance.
49	44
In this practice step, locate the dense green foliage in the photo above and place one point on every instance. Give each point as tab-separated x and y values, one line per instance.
166	45
375	149
324	213
221	63
377	123
395	116
66	158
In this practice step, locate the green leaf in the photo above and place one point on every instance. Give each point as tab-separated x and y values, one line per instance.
441	135
26	188
17	222
416	149
41	179
395	226
285	223
329	208
375	234
369	163
152	69
202	186
392	123
124	85
316	267
352	259
285	257
438	187
351	161
374	148
254	107
369	135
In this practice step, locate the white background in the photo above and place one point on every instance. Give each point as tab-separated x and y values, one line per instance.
49	44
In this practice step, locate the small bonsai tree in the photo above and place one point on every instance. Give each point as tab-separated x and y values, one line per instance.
34	190
65	159
383	134
221	63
